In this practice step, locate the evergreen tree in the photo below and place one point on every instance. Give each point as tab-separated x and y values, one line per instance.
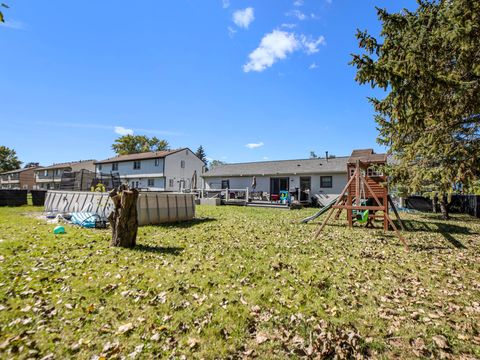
201	154
429	65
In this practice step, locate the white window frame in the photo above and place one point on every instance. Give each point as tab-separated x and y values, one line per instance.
139	165
151	182
115	166
157	162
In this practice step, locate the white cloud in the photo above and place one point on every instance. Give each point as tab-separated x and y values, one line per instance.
313	66
311	45
298	3
13	24
273	46
243	18
297	13
265	158
120	130
231	31
288	26
225	3
277	45
254	145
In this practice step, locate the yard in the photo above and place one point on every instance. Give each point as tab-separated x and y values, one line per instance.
240	282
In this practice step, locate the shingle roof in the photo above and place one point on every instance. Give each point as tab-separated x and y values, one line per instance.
367	155
281	167
62	165
19	170
139	156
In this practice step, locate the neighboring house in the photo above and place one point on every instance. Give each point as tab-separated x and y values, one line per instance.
49	177
18	179
301	178
171	170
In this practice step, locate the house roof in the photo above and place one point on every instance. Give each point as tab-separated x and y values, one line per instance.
63	165
367	155
281	167
19	170
139	156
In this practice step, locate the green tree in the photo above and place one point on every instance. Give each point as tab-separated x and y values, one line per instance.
215	163
133	144
429	66
8	159
201	154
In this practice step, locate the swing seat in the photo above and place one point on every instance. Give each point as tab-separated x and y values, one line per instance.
363	218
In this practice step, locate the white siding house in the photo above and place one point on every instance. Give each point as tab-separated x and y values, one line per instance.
171	170
302	178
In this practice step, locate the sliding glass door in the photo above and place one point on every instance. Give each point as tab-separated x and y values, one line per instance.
278	184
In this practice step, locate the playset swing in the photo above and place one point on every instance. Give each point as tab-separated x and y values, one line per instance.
365	194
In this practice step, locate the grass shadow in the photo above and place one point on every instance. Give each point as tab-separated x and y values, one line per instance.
172	250
186	224
413	226
445	229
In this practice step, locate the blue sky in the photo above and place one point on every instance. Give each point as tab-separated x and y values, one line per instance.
248	80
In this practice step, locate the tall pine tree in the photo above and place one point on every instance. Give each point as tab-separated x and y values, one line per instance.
201	154
429	65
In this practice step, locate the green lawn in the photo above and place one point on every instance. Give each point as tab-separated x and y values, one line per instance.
242	282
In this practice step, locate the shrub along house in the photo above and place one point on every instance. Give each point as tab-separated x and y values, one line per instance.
18	179
50	177
172	170
302	178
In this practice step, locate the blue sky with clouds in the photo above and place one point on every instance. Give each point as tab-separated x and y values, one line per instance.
249	80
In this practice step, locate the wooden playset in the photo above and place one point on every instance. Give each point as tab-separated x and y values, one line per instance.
365	197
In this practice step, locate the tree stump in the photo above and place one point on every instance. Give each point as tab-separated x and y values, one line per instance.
123	219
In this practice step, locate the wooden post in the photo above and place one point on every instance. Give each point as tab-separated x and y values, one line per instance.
123	219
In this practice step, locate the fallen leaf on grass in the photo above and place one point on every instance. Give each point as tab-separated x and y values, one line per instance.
122	329
440	341
261	337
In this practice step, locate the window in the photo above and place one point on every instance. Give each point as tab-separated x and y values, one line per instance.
133	184
372	172
225	184
45	173
170	183
136	165
136	184
325	181
57	172
157	162
182	164
151	182
99	167
114	167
